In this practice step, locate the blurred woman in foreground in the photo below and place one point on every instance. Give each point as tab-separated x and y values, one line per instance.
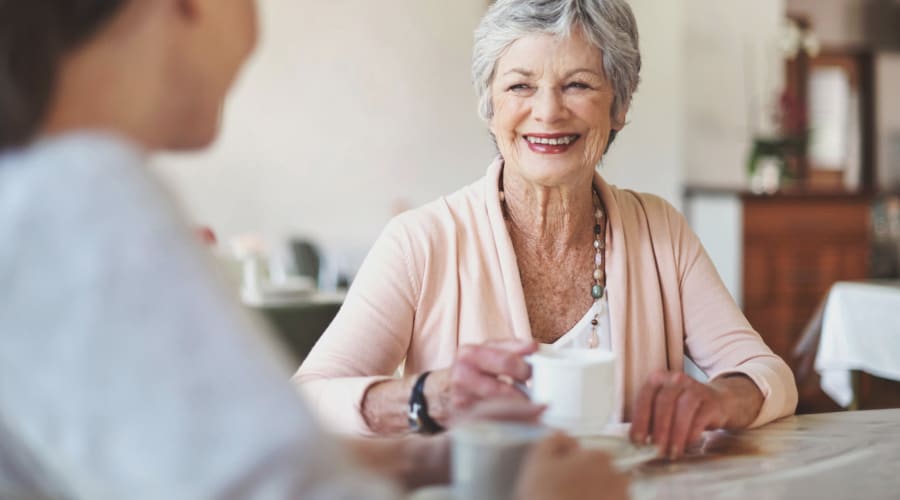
116	332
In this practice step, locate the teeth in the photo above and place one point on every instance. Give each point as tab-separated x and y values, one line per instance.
552	142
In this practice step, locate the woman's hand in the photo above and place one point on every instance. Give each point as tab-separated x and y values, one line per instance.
559	469
673	409
481	372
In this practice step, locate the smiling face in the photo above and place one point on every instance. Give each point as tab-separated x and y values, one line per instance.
552	105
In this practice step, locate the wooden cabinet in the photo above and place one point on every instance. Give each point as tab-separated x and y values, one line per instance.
779	255
795	247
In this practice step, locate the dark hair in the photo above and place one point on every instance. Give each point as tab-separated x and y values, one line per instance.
34	37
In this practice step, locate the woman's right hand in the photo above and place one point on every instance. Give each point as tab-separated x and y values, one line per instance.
559	469
481	372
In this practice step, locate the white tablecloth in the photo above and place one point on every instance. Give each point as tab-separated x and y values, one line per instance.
860	331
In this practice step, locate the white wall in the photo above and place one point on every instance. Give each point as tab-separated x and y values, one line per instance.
717	218
350	105
648	154
733	74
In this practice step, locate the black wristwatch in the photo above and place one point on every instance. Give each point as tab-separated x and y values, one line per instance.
419	420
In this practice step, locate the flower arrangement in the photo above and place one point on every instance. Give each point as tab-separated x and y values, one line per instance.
780	158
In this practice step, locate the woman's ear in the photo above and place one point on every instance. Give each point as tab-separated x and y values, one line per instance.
491	119
618	120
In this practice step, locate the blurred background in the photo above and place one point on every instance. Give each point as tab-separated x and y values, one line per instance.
774	125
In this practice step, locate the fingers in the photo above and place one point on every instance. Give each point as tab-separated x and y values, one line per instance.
683	426
557	467
495	361
643	408
555	445
489	371
674	410
664	412
470	385
696	437
506	410
617	486
709	417
520	347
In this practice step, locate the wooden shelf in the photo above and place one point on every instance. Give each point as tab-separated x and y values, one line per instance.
787	192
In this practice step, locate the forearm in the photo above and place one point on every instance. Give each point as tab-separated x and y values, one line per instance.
743	399
412	462
385	405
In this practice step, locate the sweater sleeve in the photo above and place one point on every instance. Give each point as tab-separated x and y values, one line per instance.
369	337
127	370
718	337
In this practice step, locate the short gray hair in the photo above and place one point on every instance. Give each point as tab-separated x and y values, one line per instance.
608	24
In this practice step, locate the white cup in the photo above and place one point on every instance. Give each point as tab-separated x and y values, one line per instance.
487	457
577	385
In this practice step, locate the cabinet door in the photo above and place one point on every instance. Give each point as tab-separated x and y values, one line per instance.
794	251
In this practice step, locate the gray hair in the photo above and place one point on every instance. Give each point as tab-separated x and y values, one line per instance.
607	24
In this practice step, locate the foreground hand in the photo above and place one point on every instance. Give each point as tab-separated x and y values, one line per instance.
674	410
559	469
412	461
484	372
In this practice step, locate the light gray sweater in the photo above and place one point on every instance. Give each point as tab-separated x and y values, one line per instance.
126	370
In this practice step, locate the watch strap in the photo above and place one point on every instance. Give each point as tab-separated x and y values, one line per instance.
419	419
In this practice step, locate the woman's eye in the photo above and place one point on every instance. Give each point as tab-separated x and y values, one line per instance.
577	85
519	87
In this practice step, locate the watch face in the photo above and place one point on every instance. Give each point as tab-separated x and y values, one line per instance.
414	417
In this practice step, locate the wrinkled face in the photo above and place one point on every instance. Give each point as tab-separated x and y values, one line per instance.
216	39
552	106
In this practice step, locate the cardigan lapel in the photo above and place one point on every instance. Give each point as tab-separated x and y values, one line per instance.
617	278
506	255
637	311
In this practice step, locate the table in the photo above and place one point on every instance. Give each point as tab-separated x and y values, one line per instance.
844	455
300	323
847	455
860	331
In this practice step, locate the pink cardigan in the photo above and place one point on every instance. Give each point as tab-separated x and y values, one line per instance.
445	275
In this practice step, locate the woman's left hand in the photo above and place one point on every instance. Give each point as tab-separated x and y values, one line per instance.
673	409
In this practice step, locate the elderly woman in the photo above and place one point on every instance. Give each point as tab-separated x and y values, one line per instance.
542	249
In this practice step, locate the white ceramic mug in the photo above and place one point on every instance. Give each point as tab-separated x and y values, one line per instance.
577	385
487	457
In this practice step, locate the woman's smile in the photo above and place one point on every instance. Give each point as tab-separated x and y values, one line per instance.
550	144
552	108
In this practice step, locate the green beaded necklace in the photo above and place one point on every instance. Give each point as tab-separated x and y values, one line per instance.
598	283
598	289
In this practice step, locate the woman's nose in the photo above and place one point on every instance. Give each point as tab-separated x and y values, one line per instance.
548	106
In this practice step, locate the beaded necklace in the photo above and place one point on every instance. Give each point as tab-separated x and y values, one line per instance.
598	281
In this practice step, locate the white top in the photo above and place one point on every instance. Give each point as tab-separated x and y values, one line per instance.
579	336
126	371
860	331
